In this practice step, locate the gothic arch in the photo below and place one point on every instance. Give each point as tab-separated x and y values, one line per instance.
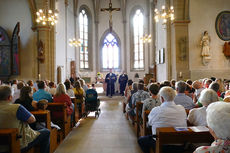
101	45
90	35
131	36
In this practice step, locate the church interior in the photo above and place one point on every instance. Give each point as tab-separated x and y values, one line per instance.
148	40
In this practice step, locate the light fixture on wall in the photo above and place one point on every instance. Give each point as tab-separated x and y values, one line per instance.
146	38
74	42
164	14
46	16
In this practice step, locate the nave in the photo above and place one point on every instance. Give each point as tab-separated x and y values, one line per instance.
110	133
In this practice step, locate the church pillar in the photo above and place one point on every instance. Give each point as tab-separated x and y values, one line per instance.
98	65
179	38
125	47
152	46
45	41
46	57
96	4
123	9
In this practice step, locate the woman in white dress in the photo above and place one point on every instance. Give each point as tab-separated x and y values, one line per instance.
205	44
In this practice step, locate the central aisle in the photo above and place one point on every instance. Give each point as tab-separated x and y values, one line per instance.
110	133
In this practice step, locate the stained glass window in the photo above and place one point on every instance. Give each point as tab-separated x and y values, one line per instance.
138	44
83	27
110	52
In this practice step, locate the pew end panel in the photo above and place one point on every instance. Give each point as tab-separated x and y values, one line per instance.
168	135
64	122
144	130
138	122
10	137
44	116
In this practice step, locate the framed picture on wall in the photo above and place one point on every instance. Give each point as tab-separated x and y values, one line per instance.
162	56
223	25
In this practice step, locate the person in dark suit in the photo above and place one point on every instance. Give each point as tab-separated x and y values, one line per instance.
110	79
123	78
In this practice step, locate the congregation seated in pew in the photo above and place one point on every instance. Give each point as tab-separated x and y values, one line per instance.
181	98
140	95
218	121
168	114
41	93
61	97
154	100
197	116
16	116
26	99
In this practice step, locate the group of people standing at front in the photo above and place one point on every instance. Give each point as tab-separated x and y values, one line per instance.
110	80
174	104
19	98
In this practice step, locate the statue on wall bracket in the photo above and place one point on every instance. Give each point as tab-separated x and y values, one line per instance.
41	55
205	48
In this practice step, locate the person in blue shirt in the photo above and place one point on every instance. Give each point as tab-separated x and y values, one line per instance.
41	93
17	116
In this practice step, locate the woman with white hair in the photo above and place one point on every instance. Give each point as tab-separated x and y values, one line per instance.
197	116
61	97
218	119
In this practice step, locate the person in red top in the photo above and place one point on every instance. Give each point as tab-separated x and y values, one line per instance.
61	97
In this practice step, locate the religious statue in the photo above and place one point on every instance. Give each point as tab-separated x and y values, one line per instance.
205	40
110	10
41	56
205	46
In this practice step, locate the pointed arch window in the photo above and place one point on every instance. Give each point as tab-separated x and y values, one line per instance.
110	52
138	28
84	35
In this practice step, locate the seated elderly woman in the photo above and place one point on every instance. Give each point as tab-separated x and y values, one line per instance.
218	119
197	116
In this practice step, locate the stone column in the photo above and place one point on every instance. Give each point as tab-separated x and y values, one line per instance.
179	41
45	35
46	68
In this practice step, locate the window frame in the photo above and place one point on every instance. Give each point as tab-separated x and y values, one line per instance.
132	44
119	51
90	35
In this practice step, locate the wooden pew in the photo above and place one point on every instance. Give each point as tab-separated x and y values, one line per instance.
124	106
76	110
168	135
144	130
44	116
10	137
79	113
138	117
64	122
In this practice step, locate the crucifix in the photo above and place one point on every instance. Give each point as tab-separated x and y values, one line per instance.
110	10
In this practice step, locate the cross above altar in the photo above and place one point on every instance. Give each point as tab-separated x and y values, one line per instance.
110	10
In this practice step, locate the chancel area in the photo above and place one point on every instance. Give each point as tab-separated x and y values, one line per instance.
101	76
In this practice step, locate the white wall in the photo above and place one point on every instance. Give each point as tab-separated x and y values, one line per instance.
65	30
161	40
203	15
11	12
